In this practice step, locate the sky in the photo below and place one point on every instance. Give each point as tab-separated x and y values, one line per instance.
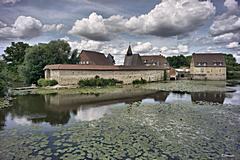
168	27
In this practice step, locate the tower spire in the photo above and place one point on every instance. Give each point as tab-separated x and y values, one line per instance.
129	51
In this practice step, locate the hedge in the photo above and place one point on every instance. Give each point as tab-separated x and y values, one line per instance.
98	82
141	81
43	82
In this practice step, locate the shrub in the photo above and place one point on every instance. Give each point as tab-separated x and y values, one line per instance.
98	82
141	81
43	82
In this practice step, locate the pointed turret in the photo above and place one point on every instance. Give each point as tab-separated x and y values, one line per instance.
129	51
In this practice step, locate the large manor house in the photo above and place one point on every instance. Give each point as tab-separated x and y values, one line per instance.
204	66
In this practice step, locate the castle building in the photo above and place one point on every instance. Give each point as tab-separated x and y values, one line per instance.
208	66
95	58
146	60
97	64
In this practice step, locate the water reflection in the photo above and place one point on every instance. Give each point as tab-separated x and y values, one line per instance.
50	110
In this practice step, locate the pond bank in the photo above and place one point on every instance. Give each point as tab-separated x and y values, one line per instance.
179	86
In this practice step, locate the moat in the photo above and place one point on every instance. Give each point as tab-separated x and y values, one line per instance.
153	125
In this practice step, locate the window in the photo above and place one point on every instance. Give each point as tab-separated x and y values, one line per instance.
87	62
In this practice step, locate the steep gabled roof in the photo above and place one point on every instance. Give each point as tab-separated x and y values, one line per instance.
96	58
155	58
129	51
133	60
208	59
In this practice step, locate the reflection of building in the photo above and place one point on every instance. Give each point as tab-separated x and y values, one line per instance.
208	66
214	97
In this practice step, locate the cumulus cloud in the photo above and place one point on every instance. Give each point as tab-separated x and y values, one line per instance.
226	27
168	18
233	45
225	24
231	5
171	17
172	51
9	1
26	27
52	27
141	47
92	28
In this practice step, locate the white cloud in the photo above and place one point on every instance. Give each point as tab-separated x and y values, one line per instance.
92	28
169	18
233	45
52	27
227	37
86	45
225	24
172	51
182	48
9	1
26	27
226	27
141	47
232	5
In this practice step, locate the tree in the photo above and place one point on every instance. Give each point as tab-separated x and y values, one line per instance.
74	58
14	57
179	61
35	60
3	78
38	56
58	51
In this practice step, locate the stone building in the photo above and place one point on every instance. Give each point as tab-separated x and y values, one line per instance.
208	66
149	60
97	64
67	74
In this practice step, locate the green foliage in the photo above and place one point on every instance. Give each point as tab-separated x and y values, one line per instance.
137	81
3	79
74	58
233	74
14	57
231	63
38	56
43	82
35	60
98	82
179	61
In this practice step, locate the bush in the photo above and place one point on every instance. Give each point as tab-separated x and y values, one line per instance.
98	82
43	82
141	81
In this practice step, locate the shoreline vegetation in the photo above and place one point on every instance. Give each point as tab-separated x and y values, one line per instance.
182	86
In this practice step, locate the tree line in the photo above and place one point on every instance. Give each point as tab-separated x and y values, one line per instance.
24	63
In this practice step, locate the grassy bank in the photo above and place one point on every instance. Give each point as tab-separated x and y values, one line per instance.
75	90
188	86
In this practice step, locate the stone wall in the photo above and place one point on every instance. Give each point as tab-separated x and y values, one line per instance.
72	77
208	73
